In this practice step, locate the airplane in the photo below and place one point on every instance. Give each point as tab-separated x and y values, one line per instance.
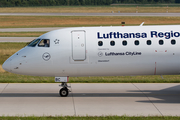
100	51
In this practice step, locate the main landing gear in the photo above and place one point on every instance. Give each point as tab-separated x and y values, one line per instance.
64	91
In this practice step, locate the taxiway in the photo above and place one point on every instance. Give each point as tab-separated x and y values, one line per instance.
45	29
16	39
89	14
132	99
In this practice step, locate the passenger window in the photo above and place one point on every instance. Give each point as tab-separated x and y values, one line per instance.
173	42
44	43
148	42
161	42
112	43
136	42
100	43
124	42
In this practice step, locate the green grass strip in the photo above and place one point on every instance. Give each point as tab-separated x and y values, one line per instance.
74	21
8	49
15	78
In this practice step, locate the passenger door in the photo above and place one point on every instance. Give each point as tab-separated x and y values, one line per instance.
78	45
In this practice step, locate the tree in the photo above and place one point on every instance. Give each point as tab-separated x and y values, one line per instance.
172	1
114	1
88	2
34	3
52	2
108	2
150	1
24	3
61	2
71	2
3	3
98	2
83	2
177	1
17	2
131	1
76	2
144	2
66	2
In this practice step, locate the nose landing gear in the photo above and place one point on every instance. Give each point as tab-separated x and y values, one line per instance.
64	91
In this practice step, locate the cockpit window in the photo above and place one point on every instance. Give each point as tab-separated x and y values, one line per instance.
33	43
44	43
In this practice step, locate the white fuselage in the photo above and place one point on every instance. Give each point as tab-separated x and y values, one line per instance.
101	51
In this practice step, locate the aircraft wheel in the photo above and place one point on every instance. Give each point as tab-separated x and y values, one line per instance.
63	92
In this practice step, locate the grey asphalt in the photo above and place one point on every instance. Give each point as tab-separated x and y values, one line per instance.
16	39
24	39
46	29
89	14
92	99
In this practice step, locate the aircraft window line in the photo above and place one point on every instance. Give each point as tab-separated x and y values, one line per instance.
148	42
161	42
34	43
136	42
124	42
44	43
100	43
173	42
112	43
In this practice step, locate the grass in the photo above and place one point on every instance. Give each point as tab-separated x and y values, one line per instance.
91	118
94	9
7	77
21	34
7	49
73	21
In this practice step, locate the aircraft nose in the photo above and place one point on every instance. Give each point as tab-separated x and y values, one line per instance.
7	65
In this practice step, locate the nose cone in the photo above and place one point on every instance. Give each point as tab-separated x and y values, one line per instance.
7	65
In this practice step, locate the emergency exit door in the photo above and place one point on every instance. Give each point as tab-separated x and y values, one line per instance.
78	45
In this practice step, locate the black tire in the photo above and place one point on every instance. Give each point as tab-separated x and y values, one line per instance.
63	92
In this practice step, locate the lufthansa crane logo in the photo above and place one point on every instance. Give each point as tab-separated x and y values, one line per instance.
46	56
100	54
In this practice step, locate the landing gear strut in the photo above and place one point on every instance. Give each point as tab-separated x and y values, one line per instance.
64	91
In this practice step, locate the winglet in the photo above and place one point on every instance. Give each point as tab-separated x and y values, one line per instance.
142	24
